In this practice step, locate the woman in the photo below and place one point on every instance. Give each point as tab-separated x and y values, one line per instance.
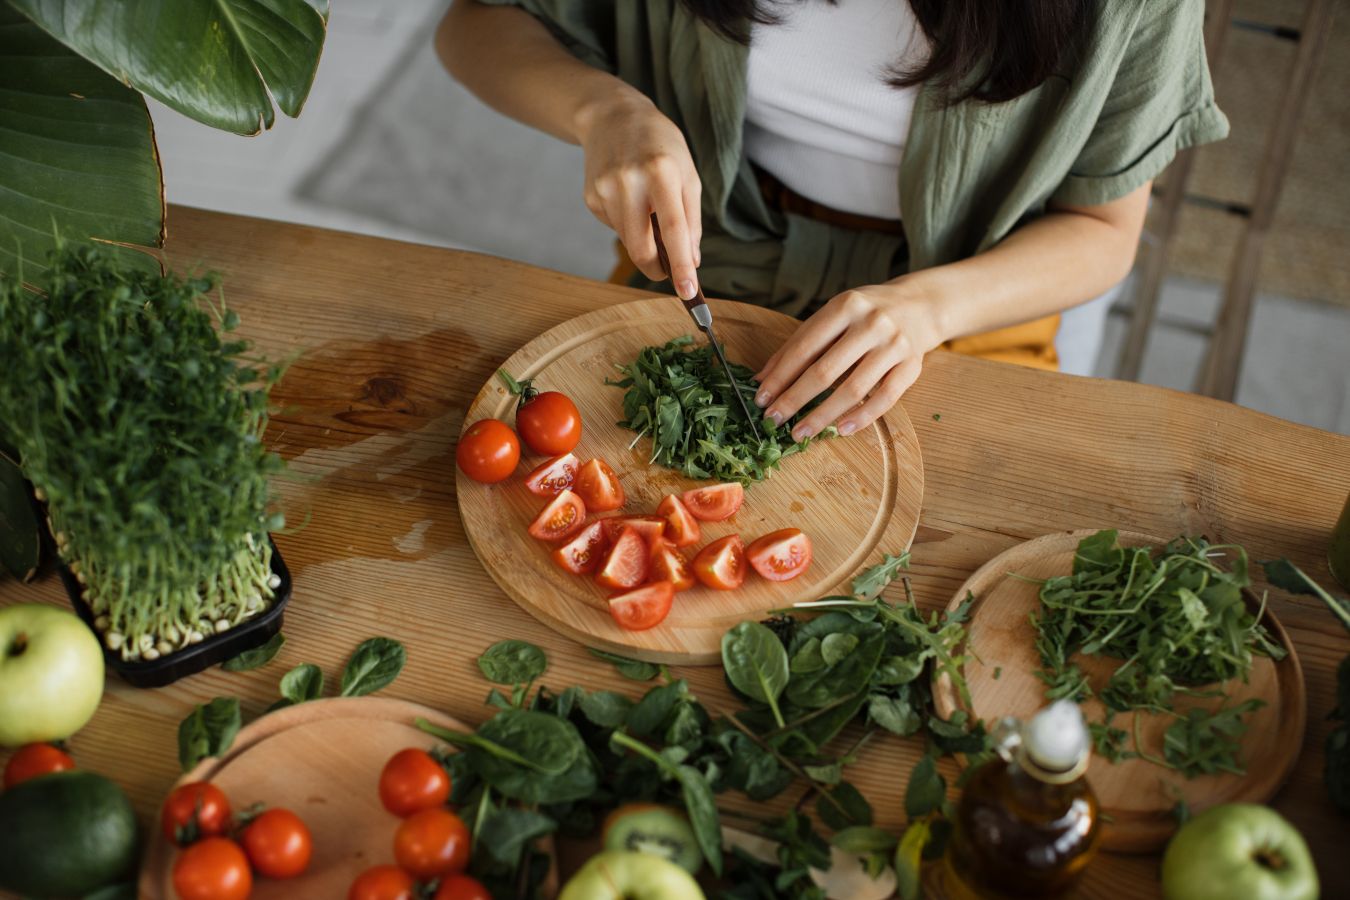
904	174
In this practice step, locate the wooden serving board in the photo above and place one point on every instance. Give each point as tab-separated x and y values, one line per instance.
1139	796
322	760
855	497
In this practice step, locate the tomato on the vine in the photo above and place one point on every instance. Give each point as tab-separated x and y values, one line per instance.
195	810
549	423
278	844
461	887
412	781
32	760
214	868
432	842
382	883
488	451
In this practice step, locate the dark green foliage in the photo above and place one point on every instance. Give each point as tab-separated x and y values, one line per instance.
208	730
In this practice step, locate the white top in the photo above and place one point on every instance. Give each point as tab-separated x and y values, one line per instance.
1057	737
819	115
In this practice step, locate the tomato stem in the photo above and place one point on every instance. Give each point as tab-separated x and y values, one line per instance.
524	389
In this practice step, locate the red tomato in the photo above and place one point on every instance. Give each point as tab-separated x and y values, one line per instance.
560	519
432	842
643	607
553	477
195	810
582	554
626	564
780	555
652	528
549	423
412	780
277	843
382	883
214	868
681	526
721	564
715	503
669	564
599	486
461	887
32	760
488	451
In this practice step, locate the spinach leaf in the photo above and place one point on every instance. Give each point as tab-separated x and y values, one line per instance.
927	789
835	647
756	663
374	665
606	708
634	669
856	810
849	676
512	662
304	682
505	832
698	797
208	730
258	656
1284	574
655	707
894	714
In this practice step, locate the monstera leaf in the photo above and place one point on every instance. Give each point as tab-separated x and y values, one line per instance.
79	156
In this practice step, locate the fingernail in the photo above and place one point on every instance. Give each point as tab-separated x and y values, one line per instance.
763	399
847	428
802	432
686	289
774	416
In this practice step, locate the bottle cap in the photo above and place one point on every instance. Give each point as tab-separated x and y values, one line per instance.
1056	739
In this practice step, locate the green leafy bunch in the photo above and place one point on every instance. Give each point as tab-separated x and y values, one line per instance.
680	397
141	428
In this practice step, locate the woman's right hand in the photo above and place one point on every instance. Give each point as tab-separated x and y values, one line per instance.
637	163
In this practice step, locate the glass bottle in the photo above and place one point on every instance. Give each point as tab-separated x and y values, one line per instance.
1027	822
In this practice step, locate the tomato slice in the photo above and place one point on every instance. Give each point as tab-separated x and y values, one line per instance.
669	564
681	526
553	477
598	485
560	519
780	555
715	503
652	528
644	607
582	554
721	564
626	564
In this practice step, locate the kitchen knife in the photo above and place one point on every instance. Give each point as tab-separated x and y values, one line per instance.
702	316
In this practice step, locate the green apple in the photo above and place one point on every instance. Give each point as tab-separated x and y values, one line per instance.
1238	850
51	674
630	875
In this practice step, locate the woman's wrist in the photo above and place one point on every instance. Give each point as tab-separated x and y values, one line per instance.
920	310
605	98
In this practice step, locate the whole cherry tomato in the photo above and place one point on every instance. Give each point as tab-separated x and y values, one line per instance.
214	868
461	887
277	843
195	810
32	760
549	423
488	451
382	883
413	781
432	842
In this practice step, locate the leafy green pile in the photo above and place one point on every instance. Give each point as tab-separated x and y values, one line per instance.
141	428
558	761
1180	625
679	396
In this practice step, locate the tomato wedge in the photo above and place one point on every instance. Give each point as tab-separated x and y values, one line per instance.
721	564
644	607
560	519
582	554
780	555
626	564
553	477
715	503
681	526
598	486
652	528
669	564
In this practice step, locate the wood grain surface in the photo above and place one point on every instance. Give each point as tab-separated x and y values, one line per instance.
391	342
1137	796
852	497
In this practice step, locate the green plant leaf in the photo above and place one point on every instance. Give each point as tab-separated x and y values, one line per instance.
374	665
606	708
258	656
208	730
213	60
863	839
756	663
512	662
505	832
19	545
79	155
927	789
856	810
634	669
303	683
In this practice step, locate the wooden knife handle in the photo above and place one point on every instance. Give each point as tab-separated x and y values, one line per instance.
698	300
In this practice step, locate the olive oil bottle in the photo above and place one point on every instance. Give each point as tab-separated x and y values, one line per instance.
1027	821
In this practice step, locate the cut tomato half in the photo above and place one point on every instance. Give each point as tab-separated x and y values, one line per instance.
669	564
626	564
714	503
652	528
681	526
643	607
560	519
598	486
721	564
780	555
553	477
582	554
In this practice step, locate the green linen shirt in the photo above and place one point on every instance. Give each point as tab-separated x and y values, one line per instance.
970	173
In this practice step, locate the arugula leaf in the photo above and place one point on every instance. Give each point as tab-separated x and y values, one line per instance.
1284	574
1207	741
374	665
870	583
512	662
208	730
258	656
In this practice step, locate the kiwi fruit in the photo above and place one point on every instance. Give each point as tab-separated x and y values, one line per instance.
652	828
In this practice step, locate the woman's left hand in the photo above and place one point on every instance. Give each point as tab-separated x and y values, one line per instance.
869	342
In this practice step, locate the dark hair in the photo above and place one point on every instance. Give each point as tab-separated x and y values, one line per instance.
992	50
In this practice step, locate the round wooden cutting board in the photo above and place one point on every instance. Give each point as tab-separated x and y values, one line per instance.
855	496
321	760
1137	795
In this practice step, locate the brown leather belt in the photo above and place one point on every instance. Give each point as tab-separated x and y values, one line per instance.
782	197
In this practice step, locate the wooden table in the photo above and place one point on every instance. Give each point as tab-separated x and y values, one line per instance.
391	342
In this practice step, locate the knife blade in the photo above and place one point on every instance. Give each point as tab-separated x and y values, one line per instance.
700	312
